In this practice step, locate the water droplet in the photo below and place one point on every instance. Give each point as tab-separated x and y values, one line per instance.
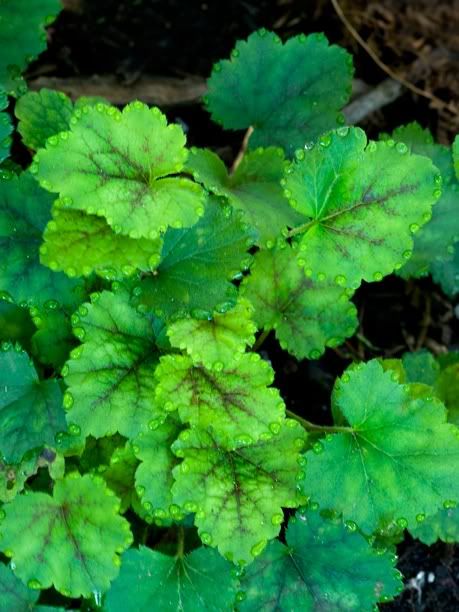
402	523
420	518
258	548
314	354
67	400
407	254
449	504
34	584
317	448
299	155
340	280
342	131
325	140
190	506
240	596
206	538
401	148
377	276
274	428
437	193
414	227
350	526
79	332
74	430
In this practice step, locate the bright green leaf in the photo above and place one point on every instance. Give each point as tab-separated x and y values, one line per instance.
42	114
31	410
434	241
361	205
22	37
420	367
220	340
289	93
110	376
323	567
198	582
120	475
24	212
307	315
70	540
80	244
153	477
14	595
121	166
234	400
397	459
444	525
197	265
253	188
238	495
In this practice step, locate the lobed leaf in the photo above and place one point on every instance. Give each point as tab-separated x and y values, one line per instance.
22	38
254	187
307	315
15	596
397	460
153	477
42	114
434	242
238	494
444	525
24	212
121	166
323	567
30	410
233	400
446	273
110	376
217	341
150	580
289	93
80	244
71	540
361	204
197	266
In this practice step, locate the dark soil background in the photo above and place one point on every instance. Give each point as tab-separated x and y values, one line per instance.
129	42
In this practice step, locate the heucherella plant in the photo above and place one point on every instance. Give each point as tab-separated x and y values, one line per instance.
148	460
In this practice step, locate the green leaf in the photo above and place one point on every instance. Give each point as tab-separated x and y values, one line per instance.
234	400
421	367
24	212
6	128
153	477
118	165
197	265
396	461
444	525
456	156
22	37
200	581
15	322
120	475
435	240
31	410
446	273
80	244
14	477
15	596
323	567
254	188
110	376
71	540
238	495
447	389
307	315
360	204
42	114
220	340
52	341
289	93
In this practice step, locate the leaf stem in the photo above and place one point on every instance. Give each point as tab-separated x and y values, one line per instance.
180	542
313	427
301	228
260	340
